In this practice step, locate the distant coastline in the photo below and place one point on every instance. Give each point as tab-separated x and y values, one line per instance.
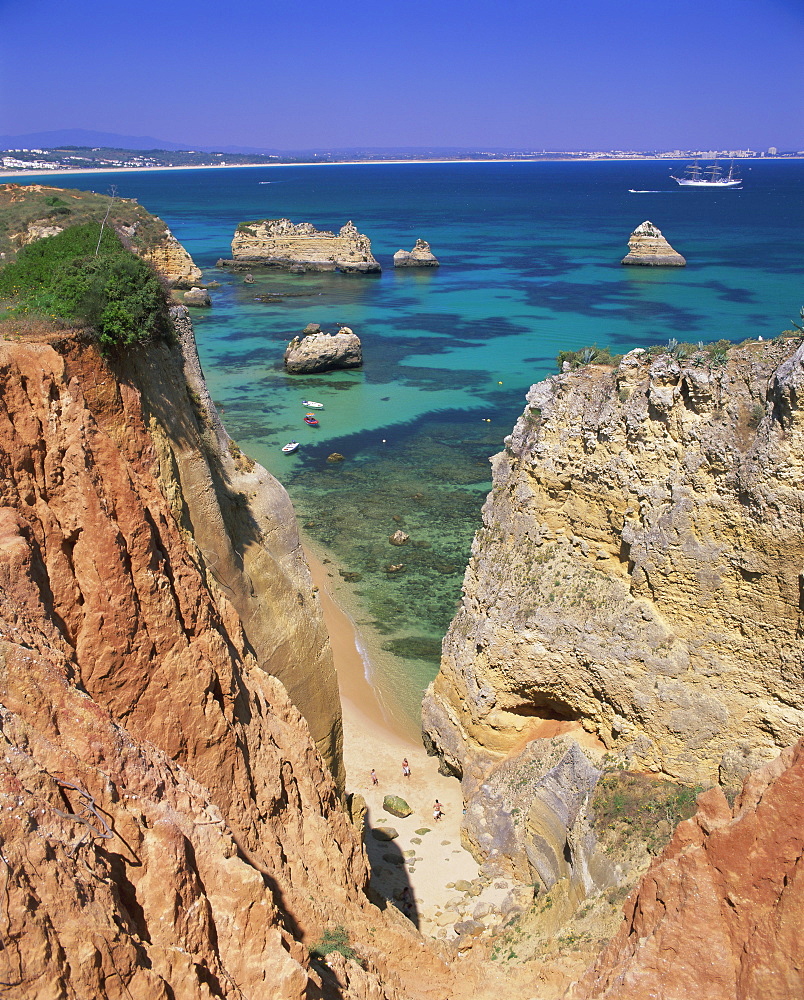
356	163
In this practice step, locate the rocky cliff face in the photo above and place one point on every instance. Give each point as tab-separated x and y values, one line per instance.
300	246
170	829
170	259
639	568
718	914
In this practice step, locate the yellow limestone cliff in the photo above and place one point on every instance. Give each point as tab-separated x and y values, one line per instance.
639	568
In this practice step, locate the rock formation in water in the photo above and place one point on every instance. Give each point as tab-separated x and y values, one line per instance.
718	915
648	247
316	351
420	256
280	243
638	571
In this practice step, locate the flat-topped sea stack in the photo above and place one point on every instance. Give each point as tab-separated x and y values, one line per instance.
420	256
649	248
317	351
299	247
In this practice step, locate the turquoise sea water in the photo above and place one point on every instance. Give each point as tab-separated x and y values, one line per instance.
530	266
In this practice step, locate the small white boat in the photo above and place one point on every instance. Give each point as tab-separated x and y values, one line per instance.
312	404
290	447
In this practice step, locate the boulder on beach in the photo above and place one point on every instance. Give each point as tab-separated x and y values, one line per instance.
420	256
396	806
649	248
316	351
384	833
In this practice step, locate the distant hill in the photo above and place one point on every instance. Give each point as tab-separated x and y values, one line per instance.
86	137
111	140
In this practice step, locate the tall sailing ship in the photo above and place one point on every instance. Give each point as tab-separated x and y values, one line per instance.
712	176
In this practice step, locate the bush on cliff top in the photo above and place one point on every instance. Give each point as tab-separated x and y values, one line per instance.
113	291
593	355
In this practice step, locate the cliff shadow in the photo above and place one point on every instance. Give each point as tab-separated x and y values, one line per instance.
390	883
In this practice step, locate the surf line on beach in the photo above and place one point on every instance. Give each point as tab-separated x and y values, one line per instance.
361	698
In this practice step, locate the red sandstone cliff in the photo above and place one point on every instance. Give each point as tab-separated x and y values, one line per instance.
168	828
718	914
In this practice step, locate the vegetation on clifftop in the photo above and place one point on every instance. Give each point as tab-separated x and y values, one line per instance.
84	274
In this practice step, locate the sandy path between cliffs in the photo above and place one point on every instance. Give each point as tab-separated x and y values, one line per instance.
373	740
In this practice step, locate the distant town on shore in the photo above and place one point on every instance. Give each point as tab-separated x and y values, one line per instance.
77	158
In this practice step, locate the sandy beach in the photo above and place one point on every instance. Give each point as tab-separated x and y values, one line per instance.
443	877
62	171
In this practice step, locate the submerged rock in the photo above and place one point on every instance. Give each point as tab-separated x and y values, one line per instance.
420	256
648	247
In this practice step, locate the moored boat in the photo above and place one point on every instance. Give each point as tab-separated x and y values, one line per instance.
290	447
312	404
310	420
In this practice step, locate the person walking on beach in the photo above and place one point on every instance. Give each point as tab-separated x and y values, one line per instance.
438	812
405	768
374	779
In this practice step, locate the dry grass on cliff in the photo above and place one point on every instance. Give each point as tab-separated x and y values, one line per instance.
44	329
639	810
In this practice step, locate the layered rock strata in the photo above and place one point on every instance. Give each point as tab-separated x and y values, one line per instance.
639	568
280	243
317	351
170	259
420	256
169	828
648	247
718	914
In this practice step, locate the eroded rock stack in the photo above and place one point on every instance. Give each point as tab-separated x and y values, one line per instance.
316	351
280	243
648	247
420	256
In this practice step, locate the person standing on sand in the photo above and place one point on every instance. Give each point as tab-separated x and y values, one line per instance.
374	779
405	768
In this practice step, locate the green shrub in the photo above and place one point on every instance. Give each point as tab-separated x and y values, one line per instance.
333	939
593	355
111	290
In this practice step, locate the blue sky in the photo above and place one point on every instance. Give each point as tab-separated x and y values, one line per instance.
566	74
